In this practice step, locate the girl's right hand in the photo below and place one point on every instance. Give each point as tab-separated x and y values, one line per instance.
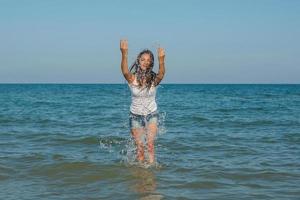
124	46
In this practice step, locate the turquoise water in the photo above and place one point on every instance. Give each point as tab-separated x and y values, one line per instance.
72	141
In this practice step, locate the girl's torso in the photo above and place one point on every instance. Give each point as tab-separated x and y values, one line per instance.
142	99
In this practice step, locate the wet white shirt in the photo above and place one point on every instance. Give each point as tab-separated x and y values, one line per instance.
142	101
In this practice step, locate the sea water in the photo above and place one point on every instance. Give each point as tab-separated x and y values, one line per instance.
72	141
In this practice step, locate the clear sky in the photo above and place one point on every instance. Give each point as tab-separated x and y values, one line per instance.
225	41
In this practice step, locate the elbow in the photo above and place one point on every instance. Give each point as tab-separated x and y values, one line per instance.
161	75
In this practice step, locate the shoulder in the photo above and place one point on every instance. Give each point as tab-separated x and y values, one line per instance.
132	80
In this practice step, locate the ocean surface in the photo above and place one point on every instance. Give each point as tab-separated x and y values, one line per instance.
72	141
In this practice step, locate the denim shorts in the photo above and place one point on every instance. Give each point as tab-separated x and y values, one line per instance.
140	121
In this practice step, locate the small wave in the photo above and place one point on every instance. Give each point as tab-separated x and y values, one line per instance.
6	172
58	157
77	172
111	140
46	103
9	119
57	169
227	110
3	177
268	139
263	175
292	137
24	120
4	120
32	157
82	140
100	107
270	95
255	185
201	185
199	119
153	197
258	123
245	124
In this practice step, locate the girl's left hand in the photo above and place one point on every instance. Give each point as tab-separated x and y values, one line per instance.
161	53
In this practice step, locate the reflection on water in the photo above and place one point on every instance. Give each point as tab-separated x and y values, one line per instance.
144	183
152	197
144	180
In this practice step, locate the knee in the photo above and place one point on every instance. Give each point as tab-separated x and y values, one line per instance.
150	146
136	134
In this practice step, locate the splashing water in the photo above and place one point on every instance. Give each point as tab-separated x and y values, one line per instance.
124	149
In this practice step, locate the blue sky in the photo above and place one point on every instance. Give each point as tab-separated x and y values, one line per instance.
69	41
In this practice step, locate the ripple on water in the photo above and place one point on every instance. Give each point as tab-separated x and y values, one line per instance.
78	173
6	172
86	140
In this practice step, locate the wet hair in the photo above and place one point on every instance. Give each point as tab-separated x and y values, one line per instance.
148	74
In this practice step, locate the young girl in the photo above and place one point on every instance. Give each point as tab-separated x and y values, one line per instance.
142	82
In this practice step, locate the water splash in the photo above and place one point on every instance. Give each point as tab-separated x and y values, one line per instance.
128	152
156	45
161	123
124	150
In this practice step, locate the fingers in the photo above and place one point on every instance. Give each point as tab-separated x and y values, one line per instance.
160	51
123	41
123	44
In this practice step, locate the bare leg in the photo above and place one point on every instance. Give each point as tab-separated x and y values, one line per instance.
152	131
137	134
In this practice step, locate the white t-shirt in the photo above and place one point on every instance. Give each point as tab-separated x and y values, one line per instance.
142	101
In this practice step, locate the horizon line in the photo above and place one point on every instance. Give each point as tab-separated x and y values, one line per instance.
99	83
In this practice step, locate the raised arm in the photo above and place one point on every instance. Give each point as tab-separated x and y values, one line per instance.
124	63
161	61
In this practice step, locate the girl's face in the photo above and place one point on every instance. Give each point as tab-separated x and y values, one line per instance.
145	61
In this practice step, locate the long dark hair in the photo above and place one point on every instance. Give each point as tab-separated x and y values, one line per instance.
148	74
